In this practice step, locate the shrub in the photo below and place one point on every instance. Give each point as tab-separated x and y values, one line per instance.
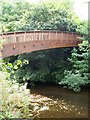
74	80
79	74
14	101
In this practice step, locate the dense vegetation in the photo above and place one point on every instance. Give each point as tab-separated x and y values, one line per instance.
65	66
49	65
55	15
78	76
14	99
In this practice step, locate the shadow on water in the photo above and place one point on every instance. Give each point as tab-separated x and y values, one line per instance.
75	104
58	92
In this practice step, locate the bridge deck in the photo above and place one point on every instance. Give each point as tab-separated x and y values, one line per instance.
23	42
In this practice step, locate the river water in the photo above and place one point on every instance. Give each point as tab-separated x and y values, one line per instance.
54	101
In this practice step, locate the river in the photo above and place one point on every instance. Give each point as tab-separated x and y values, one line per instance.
53	101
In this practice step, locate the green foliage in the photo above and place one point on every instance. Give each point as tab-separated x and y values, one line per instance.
46	65
74	80
49	15
14	99
79	75
14	15
82	26
39	66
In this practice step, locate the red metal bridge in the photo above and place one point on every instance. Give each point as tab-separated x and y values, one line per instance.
22	42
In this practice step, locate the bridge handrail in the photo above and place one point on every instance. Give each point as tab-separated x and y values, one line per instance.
14	43
38	31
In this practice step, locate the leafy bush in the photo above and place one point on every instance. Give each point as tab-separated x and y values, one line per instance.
53	15
74	80
43	66
79	75
14	99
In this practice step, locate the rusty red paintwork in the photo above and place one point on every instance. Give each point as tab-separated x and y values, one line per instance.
23	42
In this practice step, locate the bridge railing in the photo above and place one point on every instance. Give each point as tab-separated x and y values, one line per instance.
39	35
22	42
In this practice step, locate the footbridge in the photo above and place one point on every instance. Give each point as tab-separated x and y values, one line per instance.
16	43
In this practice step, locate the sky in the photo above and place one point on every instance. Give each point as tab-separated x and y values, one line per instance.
80	7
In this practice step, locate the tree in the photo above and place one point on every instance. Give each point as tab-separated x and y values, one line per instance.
49	15
14	15
22	15
78	76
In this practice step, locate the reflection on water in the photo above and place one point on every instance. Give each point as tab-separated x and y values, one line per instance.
52	101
